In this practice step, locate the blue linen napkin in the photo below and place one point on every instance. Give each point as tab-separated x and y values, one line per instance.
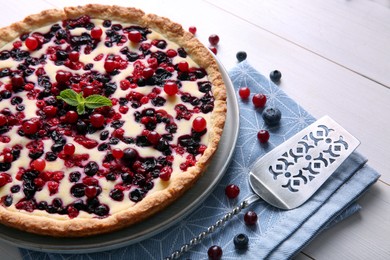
278	234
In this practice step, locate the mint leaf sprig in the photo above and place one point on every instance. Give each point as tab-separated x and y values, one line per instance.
75	99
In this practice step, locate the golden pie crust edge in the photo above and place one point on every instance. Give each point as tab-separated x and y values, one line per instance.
158	200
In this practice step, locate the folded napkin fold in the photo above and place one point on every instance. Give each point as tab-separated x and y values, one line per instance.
278	234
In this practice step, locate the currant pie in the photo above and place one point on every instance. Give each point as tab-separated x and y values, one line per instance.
107	115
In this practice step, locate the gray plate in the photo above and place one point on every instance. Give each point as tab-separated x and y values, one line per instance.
156	224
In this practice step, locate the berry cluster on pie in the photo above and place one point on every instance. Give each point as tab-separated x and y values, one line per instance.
107	115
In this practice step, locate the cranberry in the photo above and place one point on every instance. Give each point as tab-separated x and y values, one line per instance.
214	252
29	86
183	66
4	179
97	120
30	127
232	191
147	73
259	100
214	39
88	90
199	124
17	81
117	153
192	29
50	111
263	136
74	56
91	191
71	117
69	149
32	43
124	109
135	36
171	88
72	212
39	164
53	187
96	33
250	218
244	92
213	50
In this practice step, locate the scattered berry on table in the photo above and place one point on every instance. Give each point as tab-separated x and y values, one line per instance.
241	56
271	116
259	100
192	29
244	92
213	49
250	218
241	241
214	252
214	39
275	75
232	191
263	136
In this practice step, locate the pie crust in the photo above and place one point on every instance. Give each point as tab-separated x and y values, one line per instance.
178	184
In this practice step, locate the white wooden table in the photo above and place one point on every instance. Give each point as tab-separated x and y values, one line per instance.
335	59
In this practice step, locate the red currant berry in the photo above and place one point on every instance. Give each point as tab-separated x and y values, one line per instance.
259	100
3	120
244	92
71	117
232	191
96	33
199	124
50	111
63	76
30	127
69	149
17	81
263	136
183	66
88	90
165	173
147	72
74	56
213	50
171	53
8	157
214	252
39	164
135	36
192	29
117	153
153	137
214	39
250	218
171	88
123	109
97	120
32	43
110	65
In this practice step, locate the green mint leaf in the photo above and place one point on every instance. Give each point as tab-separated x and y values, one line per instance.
95	101
80	109
69	96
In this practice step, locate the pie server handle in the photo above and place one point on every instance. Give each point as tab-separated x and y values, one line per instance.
309	158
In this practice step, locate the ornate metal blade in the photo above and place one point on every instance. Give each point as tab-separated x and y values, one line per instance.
292	172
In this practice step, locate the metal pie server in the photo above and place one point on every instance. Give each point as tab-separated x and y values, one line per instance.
292	172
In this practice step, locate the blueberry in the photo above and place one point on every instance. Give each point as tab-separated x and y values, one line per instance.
271	116
241	56
241	241
275	75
